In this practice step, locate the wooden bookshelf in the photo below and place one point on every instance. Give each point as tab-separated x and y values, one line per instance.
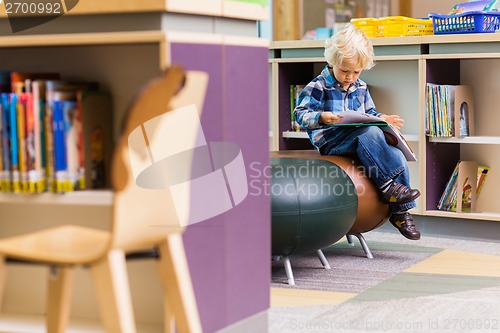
86	45
403	67
222	8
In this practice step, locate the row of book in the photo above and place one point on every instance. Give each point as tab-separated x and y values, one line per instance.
55	135
295	90
465	183
449	110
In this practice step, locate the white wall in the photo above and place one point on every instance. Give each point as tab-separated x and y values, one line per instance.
422	8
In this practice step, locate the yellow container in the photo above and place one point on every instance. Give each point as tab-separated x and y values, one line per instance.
367	24
401	26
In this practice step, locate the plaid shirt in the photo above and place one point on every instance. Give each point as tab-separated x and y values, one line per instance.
325	93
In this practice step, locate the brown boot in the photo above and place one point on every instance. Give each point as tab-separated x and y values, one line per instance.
399	194
404	223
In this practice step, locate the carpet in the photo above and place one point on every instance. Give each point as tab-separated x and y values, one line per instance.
352	272
431	285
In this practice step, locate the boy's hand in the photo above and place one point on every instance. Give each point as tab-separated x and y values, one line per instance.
393	120
328	118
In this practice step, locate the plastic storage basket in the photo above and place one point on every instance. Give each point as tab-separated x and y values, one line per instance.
466	23
367	24
400	26
394	26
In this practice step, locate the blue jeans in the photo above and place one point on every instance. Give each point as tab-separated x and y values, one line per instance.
381	161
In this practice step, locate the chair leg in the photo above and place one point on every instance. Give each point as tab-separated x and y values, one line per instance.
177	286
59	298
364	245
3	276
110	279
169	326
288	270
323	259
349	239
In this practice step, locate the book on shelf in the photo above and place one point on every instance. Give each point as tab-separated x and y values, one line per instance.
65	141
392	135
449	110
14	145
95	109
295	90
5	85
471	177
55	136
25	136
39	146
53	90
20	81
5	175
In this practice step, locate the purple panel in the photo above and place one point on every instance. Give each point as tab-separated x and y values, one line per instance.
443	71
288	74
207	58
205	241
440	162
229	254
246	122
441	158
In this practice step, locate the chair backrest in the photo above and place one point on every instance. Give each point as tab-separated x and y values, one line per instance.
157	127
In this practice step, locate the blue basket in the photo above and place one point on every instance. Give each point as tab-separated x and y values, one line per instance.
466	23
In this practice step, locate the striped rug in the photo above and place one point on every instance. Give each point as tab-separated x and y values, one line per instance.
430	285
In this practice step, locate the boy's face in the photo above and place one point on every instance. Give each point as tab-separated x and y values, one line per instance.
347	72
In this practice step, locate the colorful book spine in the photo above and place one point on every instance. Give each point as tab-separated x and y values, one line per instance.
38	90
61	110
14	145
5	137
29	175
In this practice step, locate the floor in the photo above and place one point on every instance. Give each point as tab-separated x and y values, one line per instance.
456	289
470	258
33	324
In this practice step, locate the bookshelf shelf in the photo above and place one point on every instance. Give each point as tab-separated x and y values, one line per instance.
223	8
397	83
295	135
84	198
471	216
122	45
483	140
97	38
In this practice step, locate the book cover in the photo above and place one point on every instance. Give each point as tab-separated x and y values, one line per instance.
295	90
5	86
14	144
97	143
393	136
469	191
355	118
26	142
5	137
38	91
1	150
18	80
63	113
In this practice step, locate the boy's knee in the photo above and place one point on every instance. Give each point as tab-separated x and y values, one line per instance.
372	132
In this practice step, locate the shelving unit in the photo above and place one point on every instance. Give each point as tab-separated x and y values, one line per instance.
468	61
122	45
397	83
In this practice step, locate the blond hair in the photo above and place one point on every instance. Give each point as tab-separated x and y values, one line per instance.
348	43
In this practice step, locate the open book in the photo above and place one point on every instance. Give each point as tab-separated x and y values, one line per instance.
392	134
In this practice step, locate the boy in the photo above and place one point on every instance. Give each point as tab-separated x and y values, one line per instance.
338	89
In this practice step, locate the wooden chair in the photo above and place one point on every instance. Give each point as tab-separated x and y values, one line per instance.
142	219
